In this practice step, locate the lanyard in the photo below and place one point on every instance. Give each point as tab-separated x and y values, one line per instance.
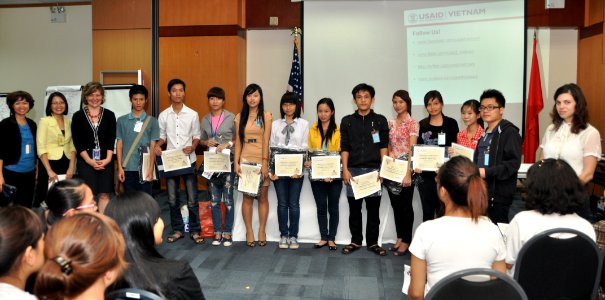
213	130
95	129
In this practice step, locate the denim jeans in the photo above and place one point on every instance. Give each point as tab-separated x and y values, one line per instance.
222	191
288	198
132	183
176	219
327	196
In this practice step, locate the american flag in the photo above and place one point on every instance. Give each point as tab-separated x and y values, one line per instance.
295	80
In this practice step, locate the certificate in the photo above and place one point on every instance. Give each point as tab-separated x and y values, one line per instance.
216	162
145	167
175	159
327	166
464	151
249	181
365	185
287	165
393	169
428	158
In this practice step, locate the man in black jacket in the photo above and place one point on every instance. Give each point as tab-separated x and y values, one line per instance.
498	155
364	141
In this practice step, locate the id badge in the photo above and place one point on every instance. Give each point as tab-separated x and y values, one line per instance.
27	148
258	123
96	154
441	139
375	137
486	159
137	126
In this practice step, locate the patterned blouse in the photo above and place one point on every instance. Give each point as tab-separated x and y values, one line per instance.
399	136
462	137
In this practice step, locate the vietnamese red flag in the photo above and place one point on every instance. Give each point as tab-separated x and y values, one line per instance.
535	103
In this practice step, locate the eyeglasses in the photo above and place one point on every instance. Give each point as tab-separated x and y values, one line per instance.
488	108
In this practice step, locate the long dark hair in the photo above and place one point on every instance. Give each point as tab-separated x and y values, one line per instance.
19	229
460	178
136	213
580	116
430	95
326	136
260	116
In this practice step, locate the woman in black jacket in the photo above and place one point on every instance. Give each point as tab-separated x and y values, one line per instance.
437	130
138	216
18	151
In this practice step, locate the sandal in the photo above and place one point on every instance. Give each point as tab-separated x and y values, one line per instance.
376	249
394	248
177	235
197	238
350	248
320	245
251	243
263	242
333	248
401	253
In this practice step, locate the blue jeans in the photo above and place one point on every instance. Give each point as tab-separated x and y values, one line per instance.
288	198
132	183
176	219
327	196
221	190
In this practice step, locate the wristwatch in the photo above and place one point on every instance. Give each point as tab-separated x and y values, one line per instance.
230	144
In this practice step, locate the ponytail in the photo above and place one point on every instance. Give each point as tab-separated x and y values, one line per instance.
476	196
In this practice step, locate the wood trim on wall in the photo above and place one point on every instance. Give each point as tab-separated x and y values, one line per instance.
46	4
201	30
570	16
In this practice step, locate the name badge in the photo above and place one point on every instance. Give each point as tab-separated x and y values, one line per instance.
27	149
486	159
96	154
375	137
441	139
258	123
137	126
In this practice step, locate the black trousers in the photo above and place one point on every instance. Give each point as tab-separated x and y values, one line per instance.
59	166
356	219
25	183
428	196
403	213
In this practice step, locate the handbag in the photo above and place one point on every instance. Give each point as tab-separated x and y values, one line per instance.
8	192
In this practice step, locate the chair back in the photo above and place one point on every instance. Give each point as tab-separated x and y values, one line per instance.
465	284
132	293
560	263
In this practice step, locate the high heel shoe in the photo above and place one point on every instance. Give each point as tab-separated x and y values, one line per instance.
250	242
263	242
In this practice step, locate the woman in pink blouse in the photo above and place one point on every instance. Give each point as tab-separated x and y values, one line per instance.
469	136
403	134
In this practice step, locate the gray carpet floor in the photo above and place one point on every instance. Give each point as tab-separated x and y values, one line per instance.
241	272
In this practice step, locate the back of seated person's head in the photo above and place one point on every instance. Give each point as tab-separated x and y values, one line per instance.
63	196
81	251
138	216
554	187
461	179
20	231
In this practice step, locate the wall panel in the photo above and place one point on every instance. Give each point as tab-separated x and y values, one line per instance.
196	12
121	14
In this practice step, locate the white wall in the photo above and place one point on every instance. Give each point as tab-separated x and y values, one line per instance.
268	63
35	53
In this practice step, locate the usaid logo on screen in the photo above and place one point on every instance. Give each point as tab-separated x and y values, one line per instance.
414	18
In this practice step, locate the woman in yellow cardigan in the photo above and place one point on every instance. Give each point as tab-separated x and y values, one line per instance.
55	145
324	135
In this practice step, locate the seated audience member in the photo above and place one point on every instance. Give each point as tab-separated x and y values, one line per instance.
67	197
21	250
463	238
85	254
138	216
554	197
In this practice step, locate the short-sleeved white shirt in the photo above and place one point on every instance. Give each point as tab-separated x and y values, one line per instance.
298	139
8	291
450	244
179	130
571	147
527	224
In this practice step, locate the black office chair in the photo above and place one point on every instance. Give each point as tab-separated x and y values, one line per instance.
465	284
550	266
132	293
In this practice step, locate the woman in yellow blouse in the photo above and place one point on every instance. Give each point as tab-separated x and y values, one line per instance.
55	146
324	135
